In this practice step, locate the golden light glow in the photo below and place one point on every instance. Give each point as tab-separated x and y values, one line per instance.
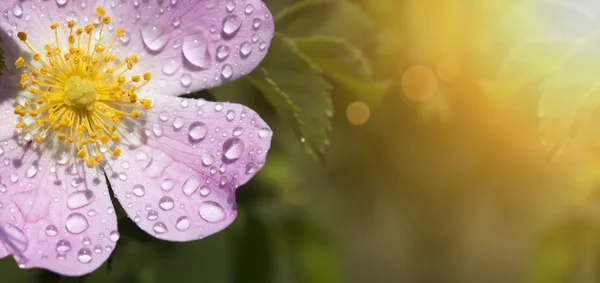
358	113
419	83
79	97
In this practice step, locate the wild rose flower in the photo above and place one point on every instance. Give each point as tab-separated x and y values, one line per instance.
90	101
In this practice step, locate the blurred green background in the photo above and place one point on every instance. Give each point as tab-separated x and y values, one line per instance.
389	163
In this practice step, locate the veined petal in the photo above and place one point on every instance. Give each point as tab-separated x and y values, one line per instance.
53	216
179	183
187	45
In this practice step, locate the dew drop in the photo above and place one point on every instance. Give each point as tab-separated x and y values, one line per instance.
84	255
237	131
233	149
256	23
226	72
139	190
197	131
171	66
186	80
177	22
159	228
177	123
230	115
183	223
51	230
264	132
208	159
77	223
63	246
154	37
114	236
230	6
61	2
211	211
231	25
17	10
195	50
190	186
152	215
79	199
157	129
245	49
167	184
249	9
166	203
223	52
204	191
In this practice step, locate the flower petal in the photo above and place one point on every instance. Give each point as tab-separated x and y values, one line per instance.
187	45
179	183
194	45
52	216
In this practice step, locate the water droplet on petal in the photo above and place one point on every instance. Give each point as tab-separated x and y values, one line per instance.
197	132
177	123
61	2
17	10
195	50
84	255
223	52
152	215
190	186
160	228
139	190
79	199
249	9
264	132
237	131
226	72
167	184
208	159
154	37
166	203
63	246
186	80
256	23
231	25
230	115
171	66
233	149
204	191
245	49
211	211
230	6
183	223
77	223
176	22
262	46
114	236
51	230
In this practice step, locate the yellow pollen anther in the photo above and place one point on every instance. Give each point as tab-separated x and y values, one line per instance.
117	152
53	26
89	29
147	76
90	161
98	158
100	11
134	58
20	62
135	79
37	56
81	153
106	20
71	23
120	32
22	36
104	139
62	137
38	139
78	31
116	138
135	114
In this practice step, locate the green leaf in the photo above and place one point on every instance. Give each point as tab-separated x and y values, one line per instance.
344	65
253	242
297	90
336	18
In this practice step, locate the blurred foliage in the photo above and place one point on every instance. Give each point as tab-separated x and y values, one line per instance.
454	186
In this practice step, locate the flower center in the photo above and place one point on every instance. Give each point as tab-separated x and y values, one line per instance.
79	95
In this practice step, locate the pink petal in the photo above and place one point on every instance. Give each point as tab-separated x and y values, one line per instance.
52	216
182	43
178	182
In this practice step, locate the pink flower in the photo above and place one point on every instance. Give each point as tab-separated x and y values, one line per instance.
90	98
